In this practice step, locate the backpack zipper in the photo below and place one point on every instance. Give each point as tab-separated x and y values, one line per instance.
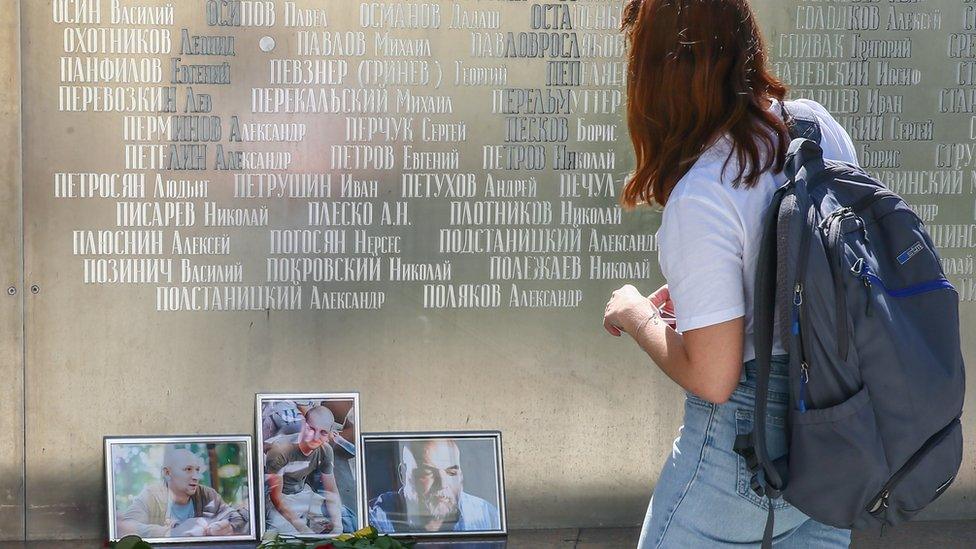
804	379
863	272
839	212
798	311
880	501
804	369
869	200
865	281
840	297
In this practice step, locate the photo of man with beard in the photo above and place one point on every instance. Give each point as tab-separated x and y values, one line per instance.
431	497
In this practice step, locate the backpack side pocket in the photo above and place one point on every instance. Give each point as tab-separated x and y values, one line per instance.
837	460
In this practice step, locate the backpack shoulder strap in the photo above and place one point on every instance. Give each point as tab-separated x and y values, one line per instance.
765	297
800	120
802	154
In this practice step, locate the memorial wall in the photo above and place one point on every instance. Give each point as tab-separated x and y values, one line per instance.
412	200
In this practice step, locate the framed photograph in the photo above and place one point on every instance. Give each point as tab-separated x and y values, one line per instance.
308	464
180	488
435	484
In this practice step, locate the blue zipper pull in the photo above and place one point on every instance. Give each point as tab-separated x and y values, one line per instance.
860	270
797	301
867	295
804	378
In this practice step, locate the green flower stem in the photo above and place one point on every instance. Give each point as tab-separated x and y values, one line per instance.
368	539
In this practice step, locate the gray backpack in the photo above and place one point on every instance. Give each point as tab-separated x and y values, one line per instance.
872	325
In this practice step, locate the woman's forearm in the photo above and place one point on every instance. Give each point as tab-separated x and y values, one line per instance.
713	373
666	348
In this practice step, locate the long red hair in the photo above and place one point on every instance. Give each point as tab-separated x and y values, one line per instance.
697	71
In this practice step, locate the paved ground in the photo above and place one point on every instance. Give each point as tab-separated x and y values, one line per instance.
934	535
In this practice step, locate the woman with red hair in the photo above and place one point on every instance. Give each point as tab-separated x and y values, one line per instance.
706	121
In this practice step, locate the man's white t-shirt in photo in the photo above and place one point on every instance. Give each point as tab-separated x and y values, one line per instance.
710	234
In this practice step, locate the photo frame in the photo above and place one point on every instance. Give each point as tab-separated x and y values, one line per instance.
437	484
309	473
188	488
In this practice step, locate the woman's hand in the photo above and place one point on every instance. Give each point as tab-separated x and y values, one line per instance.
661	298
626	309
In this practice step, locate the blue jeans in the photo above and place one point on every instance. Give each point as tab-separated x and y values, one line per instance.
703	496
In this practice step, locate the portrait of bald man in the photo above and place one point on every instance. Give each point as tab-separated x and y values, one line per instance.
302	493
431	496
179	505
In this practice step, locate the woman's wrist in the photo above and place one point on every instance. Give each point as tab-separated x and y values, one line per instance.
651	317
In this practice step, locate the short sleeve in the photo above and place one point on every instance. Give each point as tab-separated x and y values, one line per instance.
846	145
834	134
274	460
700	252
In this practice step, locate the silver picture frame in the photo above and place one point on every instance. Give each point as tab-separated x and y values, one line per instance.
498	470
353	417
111	484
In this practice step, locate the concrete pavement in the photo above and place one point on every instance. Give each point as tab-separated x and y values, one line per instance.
934	534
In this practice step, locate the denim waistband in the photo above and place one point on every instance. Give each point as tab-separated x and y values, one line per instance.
779	382
779	365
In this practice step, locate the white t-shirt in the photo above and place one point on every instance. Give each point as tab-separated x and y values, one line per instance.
710	234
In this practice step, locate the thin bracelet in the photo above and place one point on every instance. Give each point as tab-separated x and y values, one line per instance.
644	322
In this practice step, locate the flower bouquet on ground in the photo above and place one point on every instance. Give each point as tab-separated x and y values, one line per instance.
366	538
129	542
